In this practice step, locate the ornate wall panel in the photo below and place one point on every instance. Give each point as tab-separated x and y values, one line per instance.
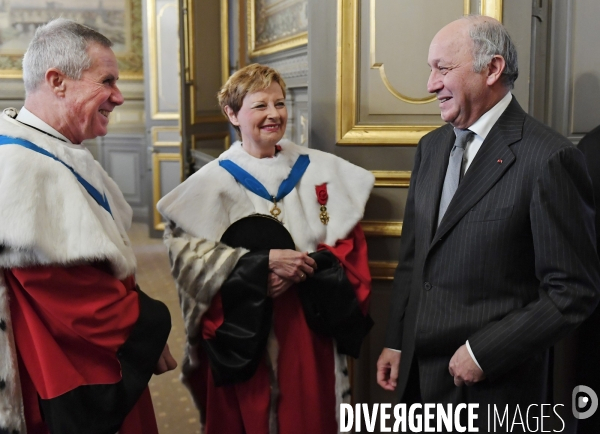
123	157
585	71
382	95
573	100
163	44
166	175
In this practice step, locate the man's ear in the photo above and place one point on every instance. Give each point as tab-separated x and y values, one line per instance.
56	80
232	116
495	69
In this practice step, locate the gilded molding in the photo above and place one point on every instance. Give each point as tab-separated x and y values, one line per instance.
157	158
492	8
392	178
381	67
376	228
382	270
348	129
154	131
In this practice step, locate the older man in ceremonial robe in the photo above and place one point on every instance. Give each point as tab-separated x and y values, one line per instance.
78	340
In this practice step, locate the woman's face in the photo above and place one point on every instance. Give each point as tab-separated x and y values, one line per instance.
261	119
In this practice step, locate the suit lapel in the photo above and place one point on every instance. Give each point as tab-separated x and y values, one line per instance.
489	165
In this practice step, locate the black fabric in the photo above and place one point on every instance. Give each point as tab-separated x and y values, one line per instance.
258	232
240	342
330	305
101	409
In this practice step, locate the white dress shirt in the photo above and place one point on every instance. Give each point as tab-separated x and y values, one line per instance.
481	128
32	120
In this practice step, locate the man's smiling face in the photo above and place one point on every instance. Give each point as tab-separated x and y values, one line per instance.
461	92
94	96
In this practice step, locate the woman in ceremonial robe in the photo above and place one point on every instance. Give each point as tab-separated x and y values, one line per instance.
269	328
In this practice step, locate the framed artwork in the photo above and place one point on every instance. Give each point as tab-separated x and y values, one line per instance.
118	20
275	25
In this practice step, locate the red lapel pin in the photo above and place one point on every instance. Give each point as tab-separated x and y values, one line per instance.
499	161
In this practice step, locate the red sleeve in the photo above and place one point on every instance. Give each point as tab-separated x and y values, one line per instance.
212	318
352	253
69	323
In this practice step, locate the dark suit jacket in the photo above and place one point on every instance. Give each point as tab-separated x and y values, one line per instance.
587	355
511	268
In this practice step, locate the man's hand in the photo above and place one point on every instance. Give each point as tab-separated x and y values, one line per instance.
166	362
277	285
464	369
388	366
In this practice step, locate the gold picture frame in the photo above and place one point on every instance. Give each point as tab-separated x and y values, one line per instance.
348	129
276	25
128	46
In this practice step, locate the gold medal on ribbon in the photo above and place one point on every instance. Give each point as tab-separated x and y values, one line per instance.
324	216
275	211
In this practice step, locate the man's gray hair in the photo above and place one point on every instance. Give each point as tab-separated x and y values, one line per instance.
490	38
60	44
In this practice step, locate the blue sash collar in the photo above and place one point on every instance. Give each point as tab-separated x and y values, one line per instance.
92	191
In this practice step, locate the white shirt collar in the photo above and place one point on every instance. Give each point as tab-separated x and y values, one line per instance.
484	124
30	119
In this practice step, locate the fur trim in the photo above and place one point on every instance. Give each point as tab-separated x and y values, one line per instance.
343	392
48	217
12	417
199	268
272	363
210	200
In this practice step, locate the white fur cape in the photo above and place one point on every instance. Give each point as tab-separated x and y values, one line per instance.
48	218
211	199
203	207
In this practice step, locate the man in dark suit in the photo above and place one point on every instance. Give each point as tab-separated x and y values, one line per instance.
498	257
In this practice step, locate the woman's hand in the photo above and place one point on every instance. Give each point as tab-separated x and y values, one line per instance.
166	362
276	285
291	265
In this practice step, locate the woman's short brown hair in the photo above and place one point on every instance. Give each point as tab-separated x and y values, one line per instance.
251	78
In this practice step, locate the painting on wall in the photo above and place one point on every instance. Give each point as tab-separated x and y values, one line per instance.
275	25
119	20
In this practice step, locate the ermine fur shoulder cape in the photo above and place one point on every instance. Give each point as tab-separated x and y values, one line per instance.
211	199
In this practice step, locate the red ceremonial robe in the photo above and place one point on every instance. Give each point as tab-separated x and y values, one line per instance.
305	375
69	323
